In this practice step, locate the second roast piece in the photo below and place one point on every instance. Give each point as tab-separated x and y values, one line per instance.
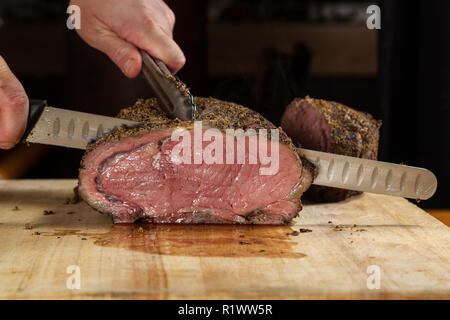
331	127
142	173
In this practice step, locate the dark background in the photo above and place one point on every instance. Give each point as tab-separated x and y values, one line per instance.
259	53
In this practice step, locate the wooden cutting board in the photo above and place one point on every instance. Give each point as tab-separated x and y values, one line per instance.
354	247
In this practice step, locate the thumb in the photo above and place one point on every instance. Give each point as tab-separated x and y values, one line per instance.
125	55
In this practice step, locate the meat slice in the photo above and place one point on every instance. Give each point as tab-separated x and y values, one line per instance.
143	173
331	127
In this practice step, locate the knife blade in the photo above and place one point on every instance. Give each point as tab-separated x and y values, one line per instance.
75	129
371	176
67	128
173	95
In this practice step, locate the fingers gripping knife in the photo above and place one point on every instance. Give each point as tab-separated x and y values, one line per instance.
53	126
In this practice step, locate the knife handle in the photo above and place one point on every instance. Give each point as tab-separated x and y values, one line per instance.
35	111
371	176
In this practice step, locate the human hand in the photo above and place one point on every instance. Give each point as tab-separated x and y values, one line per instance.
13	108
119	27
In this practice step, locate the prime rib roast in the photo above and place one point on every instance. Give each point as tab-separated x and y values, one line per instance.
132	173
331	127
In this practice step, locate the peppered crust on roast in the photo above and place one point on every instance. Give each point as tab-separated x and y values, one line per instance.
213	112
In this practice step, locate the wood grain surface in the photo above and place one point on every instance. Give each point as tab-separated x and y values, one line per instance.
410	249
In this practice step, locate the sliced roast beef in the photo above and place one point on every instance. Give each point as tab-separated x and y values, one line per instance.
331	127
143	173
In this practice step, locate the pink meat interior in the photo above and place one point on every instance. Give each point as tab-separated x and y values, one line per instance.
144	175
306	127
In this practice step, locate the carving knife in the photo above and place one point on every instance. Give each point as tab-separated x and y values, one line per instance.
53	126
